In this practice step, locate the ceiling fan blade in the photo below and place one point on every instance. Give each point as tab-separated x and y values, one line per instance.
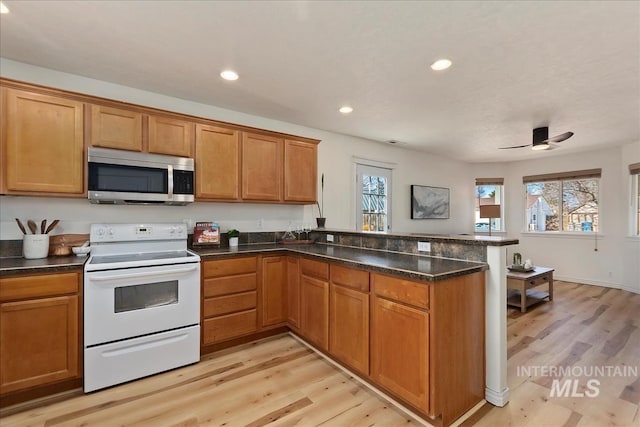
560	138
515	146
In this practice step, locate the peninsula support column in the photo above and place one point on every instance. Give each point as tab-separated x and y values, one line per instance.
497	389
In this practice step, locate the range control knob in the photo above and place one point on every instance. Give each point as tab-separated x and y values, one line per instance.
172	230
110	232
100	231
180	230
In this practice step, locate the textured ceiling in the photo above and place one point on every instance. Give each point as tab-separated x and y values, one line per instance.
574	65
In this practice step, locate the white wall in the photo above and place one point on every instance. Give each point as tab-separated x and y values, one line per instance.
616	261
335	159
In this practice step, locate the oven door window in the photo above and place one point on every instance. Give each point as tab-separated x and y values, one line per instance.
128	179
139	297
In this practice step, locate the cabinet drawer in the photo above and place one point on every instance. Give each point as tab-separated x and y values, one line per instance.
229	285
35	286
228	267
350	277
229	326
538	280
229	304
408	292
313	268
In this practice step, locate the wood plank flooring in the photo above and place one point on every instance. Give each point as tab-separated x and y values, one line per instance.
583	328
280	382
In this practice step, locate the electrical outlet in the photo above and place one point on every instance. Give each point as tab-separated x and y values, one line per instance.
329	238
424	246
260	224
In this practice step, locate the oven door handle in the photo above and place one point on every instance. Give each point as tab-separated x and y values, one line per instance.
108	277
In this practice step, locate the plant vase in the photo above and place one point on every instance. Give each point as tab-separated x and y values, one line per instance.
233	242
320	222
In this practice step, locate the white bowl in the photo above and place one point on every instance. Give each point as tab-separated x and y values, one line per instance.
81	250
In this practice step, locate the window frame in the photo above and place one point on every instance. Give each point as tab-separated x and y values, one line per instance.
561	178
634	201
490	182
377	169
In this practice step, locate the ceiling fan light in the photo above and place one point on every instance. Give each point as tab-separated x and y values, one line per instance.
538	147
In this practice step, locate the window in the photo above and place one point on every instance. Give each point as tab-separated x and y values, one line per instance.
489	191
565	201
373	204
634	170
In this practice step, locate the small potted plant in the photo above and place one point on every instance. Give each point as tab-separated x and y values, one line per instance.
233	235
321	219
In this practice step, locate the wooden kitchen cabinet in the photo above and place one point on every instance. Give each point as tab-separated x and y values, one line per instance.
300	171
42	144
39	330
293	291
261	167
274	290
170	136
314	302
217	163
116	128
229	292
349	317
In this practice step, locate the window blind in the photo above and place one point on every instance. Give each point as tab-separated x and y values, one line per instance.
489	181
587	173
634	168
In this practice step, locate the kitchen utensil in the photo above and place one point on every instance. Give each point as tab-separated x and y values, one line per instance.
52	226
21	226
32	226
43	226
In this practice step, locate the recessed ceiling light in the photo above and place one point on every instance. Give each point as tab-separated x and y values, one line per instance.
3	8
229	75
345	109
441	64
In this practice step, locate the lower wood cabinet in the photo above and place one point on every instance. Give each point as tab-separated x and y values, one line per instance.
293	291
349	317
314	302
39	330
229	292
274	290
399	350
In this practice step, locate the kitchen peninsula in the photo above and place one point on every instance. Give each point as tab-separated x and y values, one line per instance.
349	301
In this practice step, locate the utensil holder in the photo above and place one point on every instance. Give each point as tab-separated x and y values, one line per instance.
35	246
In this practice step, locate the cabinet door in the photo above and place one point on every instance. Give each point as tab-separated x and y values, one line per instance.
39	341
314	310
44	144
300	171
293	291
170	136
261	167
116	128
400	360
349	327
217	161
274	290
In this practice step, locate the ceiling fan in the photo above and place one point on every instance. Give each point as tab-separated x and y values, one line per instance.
541	139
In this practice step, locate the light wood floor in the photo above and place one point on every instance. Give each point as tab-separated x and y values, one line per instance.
281	383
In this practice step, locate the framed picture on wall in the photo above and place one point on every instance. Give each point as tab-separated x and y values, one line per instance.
429	202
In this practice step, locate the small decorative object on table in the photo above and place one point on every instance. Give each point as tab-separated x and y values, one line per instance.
233	236
206	233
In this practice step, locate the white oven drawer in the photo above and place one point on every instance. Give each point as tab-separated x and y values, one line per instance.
122	361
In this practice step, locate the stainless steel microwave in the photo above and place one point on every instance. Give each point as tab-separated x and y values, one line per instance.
127	177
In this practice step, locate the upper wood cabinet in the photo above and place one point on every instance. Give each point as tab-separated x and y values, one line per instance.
261	167
217	158
42	144
170	136
300	171
116	128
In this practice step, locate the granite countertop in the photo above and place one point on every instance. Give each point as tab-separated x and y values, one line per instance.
418	267
467	239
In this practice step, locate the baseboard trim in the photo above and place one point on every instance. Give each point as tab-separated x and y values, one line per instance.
583	281
497	398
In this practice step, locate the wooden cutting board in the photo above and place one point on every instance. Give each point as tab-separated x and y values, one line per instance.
61	244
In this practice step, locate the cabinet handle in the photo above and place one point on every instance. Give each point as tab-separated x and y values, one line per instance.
533	282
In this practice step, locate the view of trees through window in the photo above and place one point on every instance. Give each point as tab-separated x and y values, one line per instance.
374	203
566	205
